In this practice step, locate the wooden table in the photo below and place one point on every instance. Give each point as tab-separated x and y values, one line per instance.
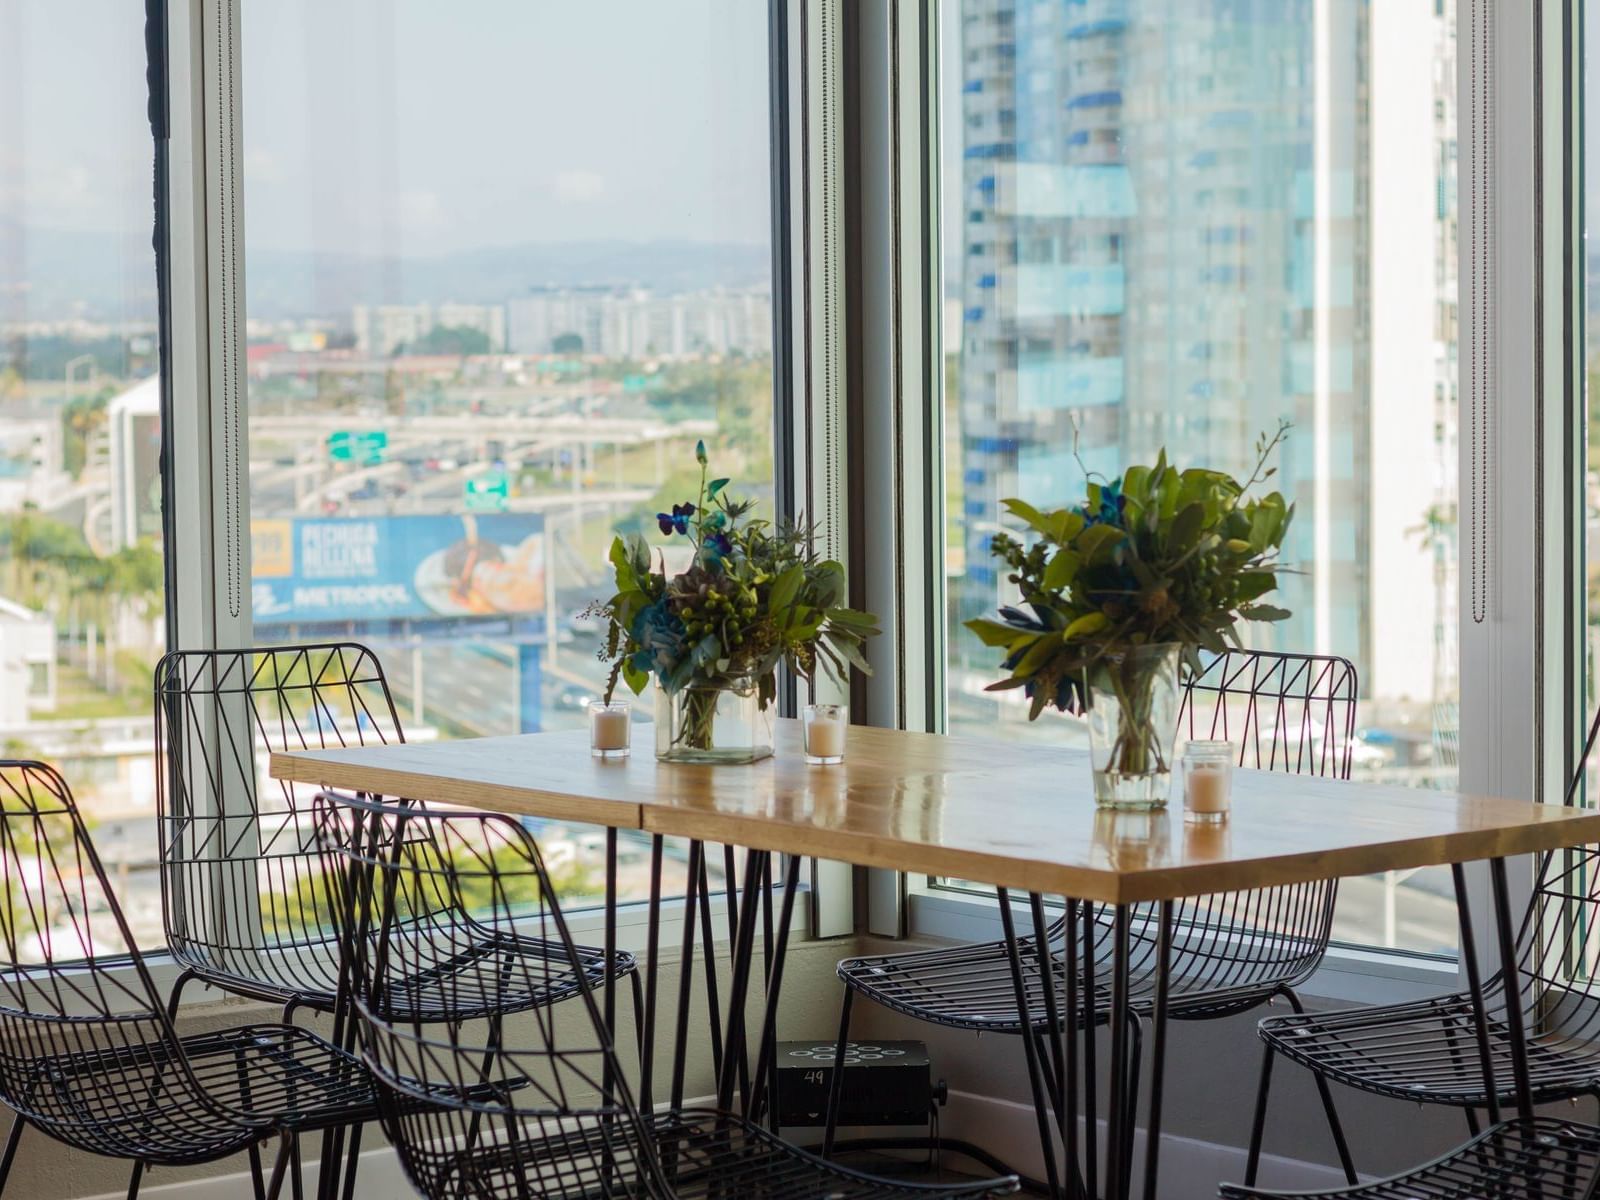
1020	817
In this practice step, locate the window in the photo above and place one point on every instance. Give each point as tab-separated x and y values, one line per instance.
81	575
504	270
1216	218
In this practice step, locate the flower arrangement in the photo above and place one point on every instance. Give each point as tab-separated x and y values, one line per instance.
1156	558
754	595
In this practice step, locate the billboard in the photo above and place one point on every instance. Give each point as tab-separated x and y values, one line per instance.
310	569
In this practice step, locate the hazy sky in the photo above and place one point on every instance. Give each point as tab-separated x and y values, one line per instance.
414	126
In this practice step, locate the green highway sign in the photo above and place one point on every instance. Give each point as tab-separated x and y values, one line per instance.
489	492
366	448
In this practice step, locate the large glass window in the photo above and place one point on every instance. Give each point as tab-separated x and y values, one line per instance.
504	269
81	595
1171	223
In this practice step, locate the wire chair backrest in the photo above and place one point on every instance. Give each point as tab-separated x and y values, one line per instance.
1559	940
1287	712
1293	713
556	1084
243	894
83	1033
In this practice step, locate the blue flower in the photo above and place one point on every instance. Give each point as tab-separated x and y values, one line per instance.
676	521
1112	502
659	635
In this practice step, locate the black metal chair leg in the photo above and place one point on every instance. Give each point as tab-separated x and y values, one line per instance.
1472	1122
297	1182
133	1183
638	1013
177	991
351	1159
1341	1147
281	1164
836	1080
257	1183
18	1123
1259	1124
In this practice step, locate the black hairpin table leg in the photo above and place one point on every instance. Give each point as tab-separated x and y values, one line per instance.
1030	1045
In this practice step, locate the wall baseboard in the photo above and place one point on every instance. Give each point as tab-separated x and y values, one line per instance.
1190	1169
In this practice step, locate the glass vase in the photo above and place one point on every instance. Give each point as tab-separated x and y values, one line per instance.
1133	725
716	724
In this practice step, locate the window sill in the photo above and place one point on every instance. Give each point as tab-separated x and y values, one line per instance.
587	926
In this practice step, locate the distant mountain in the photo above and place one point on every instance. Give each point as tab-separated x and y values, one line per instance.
51	275
299	284
102	276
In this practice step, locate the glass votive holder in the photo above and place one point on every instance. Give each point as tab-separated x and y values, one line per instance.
610	728
825	726
1207	782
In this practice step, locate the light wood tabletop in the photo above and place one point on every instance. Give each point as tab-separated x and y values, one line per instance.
1021	817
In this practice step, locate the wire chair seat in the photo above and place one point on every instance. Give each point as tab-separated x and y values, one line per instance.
1213	972
135	1100
705	1154
1544	1157
1427	1051
475	978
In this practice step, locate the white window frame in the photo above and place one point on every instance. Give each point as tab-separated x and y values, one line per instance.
1515	683
861	399
209	497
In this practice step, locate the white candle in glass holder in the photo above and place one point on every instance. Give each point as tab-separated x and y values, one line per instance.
1207	780
827	737
825	731
610	729
1206	790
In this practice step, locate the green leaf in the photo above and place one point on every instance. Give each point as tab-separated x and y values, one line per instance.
1029	514
1065	525
1264	612
1044	648
715	486
1094	544
851	652
1136	483
992	633
1085	625
626	580
1062	570
1186	528
633	677
786	587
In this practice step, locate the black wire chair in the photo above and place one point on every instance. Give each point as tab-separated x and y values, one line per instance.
1233	951
1542	1159
1427	1051
245	898
88	1053
244	895
562	1122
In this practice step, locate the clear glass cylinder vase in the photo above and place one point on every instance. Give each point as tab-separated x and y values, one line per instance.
1133	725
713	724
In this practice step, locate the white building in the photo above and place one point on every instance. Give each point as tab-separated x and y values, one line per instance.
384	328
635	323
27	663
31	463
133	424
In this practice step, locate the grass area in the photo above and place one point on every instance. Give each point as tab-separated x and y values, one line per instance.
80	698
